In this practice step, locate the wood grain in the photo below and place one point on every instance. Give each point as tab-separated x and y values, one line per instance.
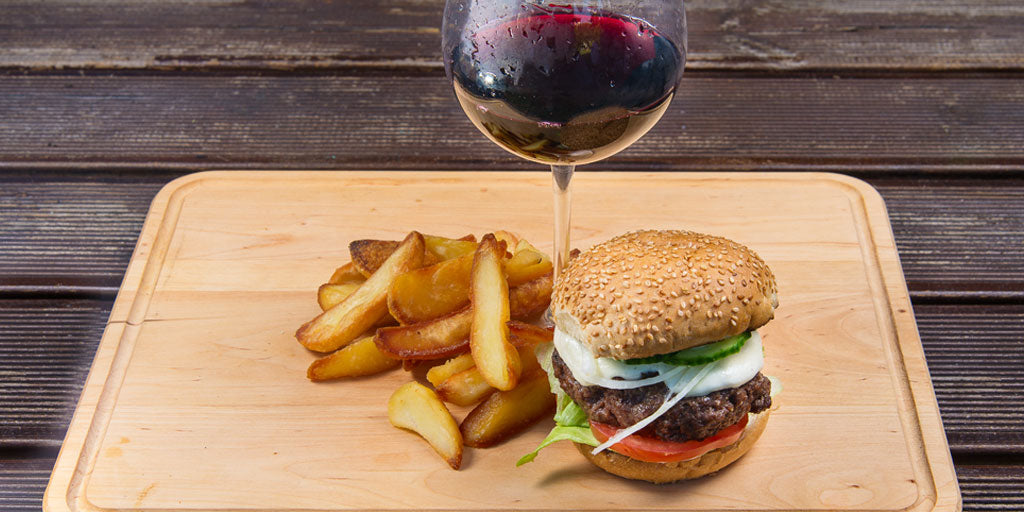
73	232
962	238
761	35
24	475
250	248
46	347
974	358
997	487
352	122
976	361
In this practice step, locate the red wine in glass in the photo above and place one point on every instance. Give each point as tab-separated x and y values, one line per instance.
561	86
564	84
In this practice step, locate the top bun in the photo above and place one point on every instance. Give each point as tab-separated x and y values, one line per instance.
653	292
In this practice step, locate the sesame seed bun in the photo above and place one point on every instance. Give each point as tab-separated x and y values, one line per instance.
665	472
654	292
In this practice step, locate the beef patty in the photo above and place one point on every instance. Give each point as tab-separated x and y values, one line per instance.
693	418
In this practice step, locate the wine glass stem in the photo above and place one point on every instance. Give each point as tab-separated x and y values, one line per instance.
561	180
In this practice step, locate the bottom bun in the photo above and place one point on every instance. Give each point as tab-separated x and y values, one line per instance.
665	472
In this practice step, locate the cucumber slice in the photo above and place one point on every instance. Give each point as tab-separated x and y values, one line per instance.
695	356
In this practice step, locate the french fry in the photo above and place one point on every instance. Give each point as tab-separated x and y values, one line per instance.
529	300
345	274
495	357
330	295
369	255
341	324
441	372
527	263
357	359
436	339
415	407
468	386
431	292
506	413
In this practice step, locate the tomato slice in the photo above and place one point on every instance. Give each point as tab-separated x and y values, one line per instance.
650	449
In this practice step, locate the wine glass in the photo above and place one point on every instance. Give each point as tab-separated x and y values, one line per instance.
564	83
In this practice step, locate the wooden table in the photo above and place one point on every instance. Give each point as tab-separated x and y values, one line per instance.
102	103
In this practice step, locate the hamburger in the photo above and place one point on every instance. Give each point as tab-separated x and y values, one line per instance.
656	360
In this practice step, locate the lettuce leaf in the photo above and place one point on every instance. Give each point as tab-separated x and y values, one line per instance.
581	435
570	419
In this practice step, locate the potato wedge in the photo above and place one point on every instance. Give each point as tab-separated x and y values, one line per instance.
357	359
345	274
496	358
443	337
467	386
330	295
341	324
439	289
446	248
510	239
369	255
528	300
527	263
431	292
506	413
464	388
415	407
439	373
522	334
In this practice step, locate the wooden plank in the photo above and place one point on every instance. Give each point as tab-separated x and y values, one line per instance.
46	347
976	360
23	477
724	35
995	487
959	238
368	121
73	232
237	255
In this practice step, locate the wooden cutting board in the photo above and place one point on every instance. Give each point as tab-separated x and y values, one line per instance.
198	400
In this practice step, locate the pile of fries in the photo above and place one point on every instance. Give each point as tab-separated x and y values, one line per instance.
461	305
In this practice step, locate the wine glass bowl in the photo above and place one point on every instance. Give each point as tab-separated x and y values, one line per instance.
564	84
